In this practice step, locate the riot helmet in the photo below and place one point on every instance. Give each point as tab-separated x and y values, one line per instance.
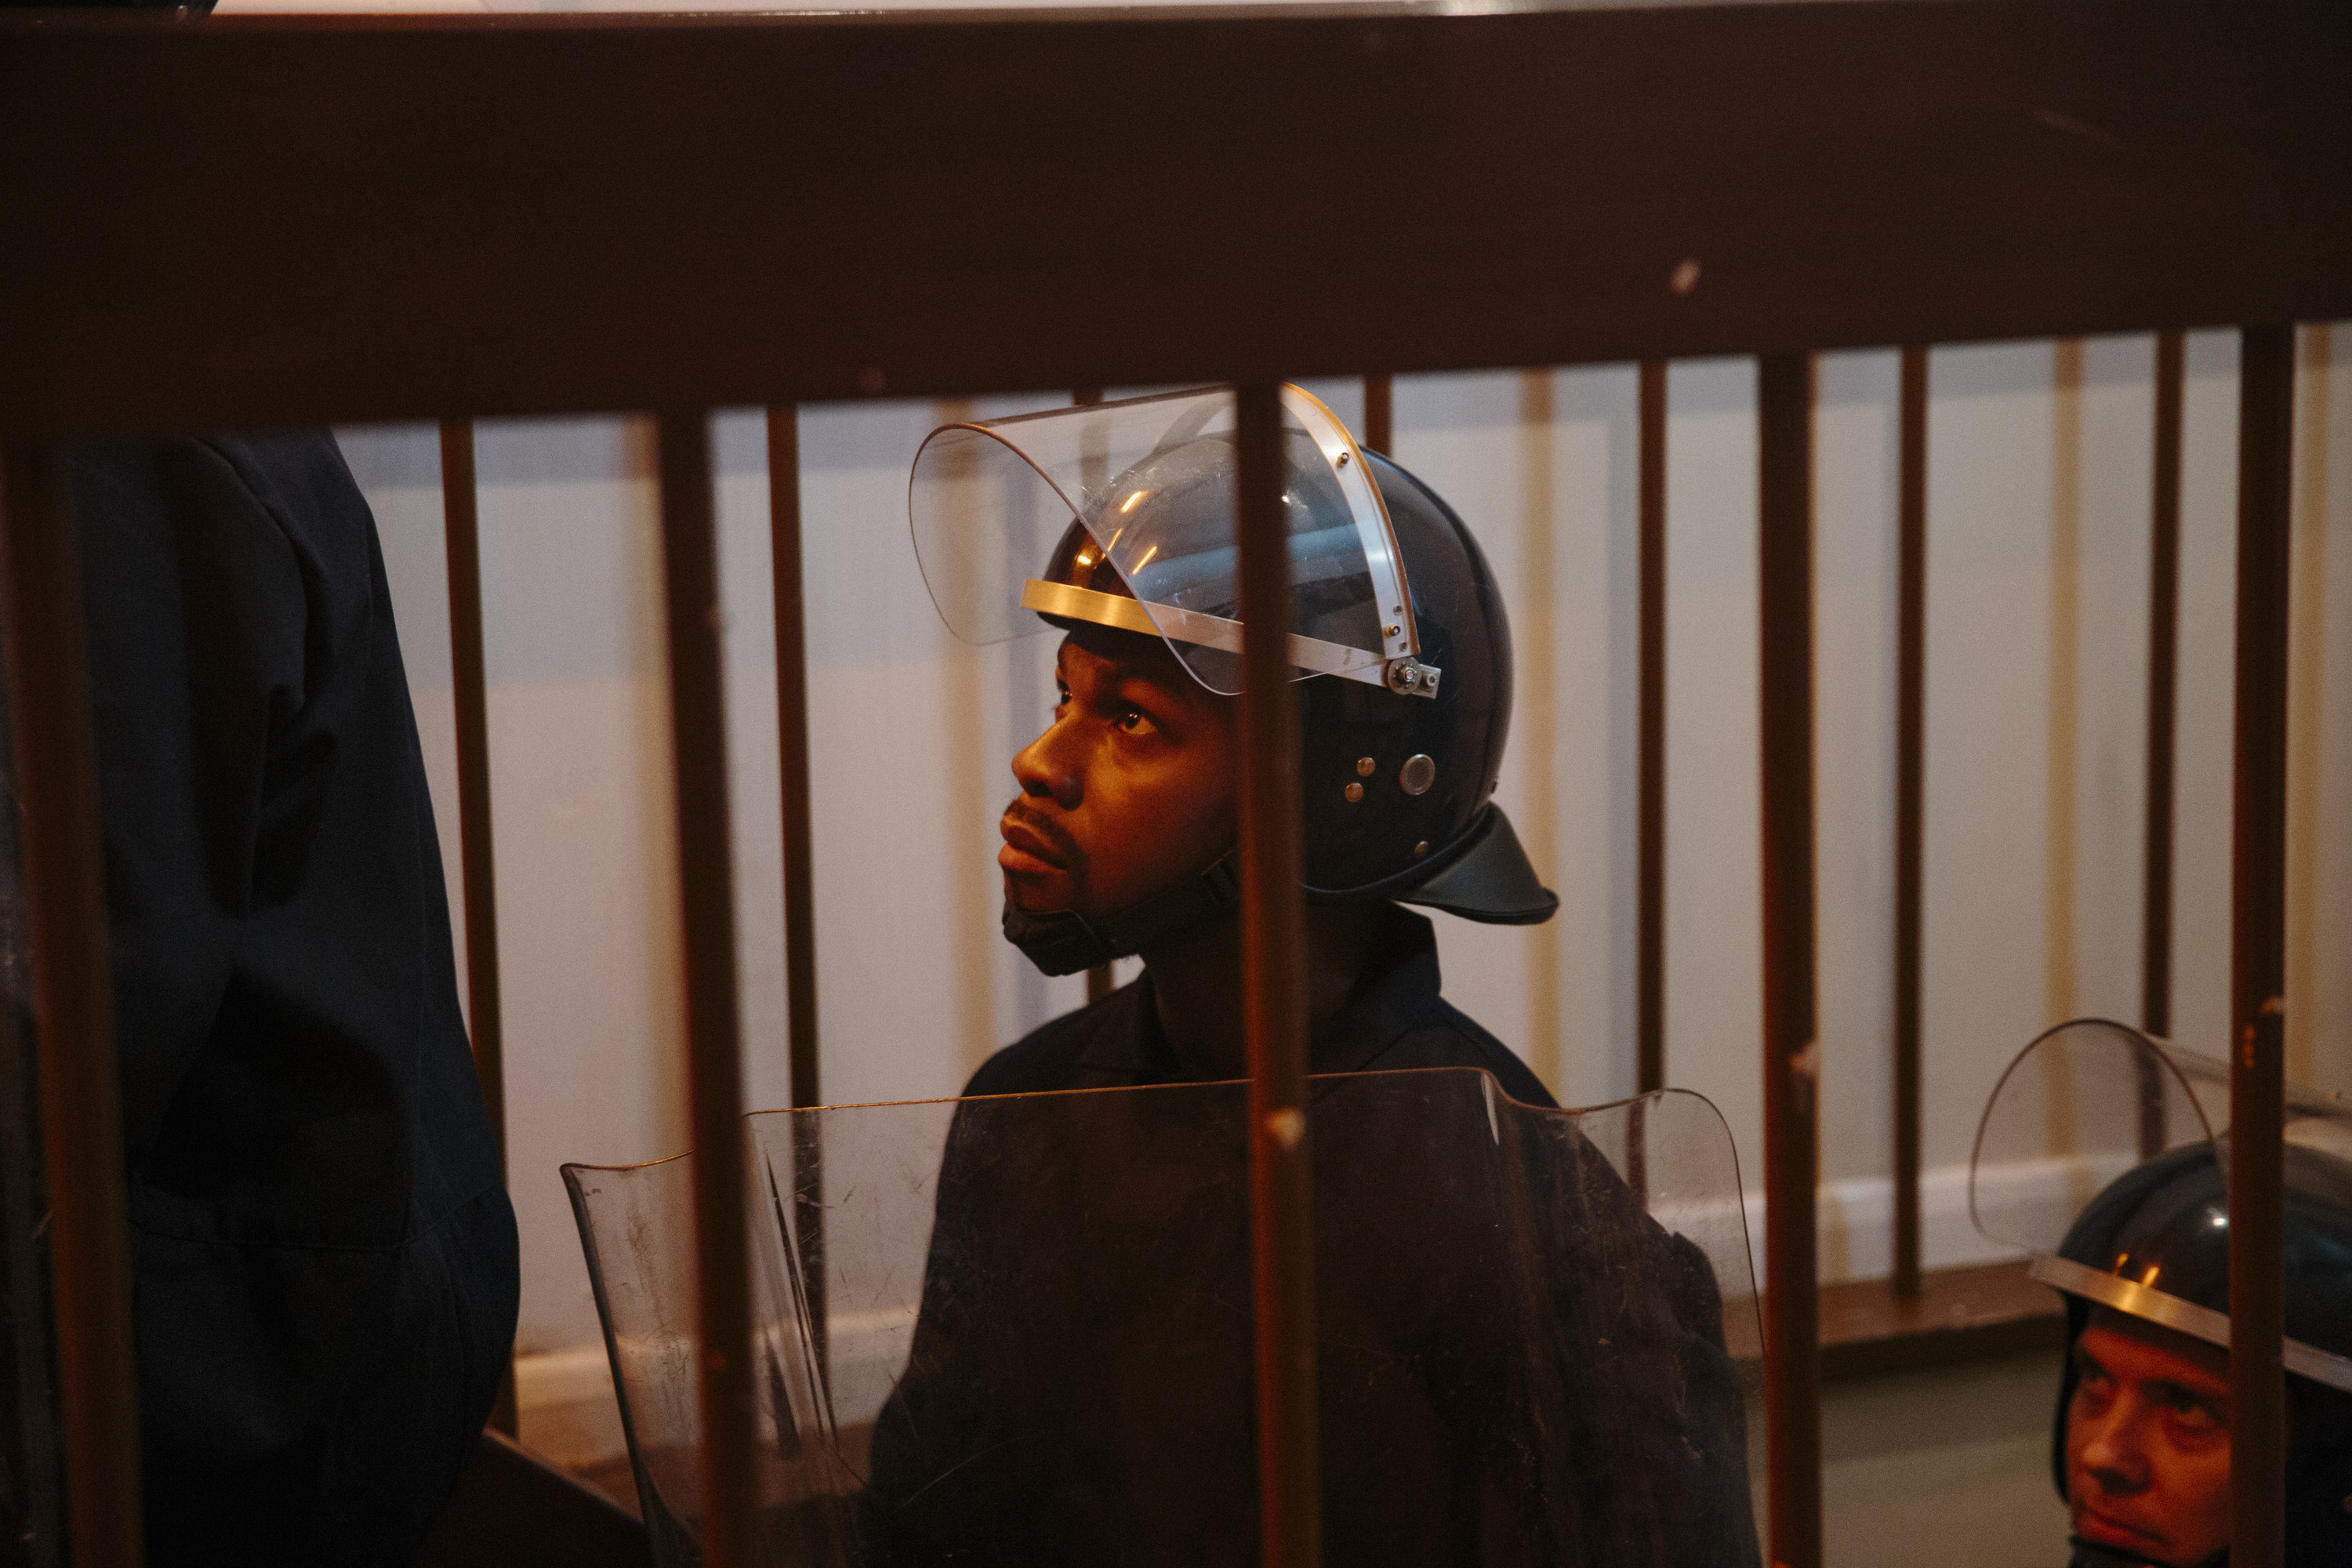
1123	515
2104	1154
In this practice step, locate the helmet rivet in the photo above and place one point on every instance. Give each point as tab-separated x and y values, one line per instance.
1364	766
1354	792
1420	850
1417	775
1343	459
1393	631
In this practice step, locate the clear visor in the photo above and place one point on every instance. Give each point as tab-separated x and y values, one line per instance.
1019	1328
1150	483
2079	1107
2089	1102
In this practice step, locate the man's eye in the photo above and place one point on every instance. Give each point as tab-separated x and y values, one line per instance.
2192	1412
1134	720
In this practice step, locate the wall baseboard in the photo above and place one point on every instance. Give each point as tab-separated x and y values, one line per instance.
565	1405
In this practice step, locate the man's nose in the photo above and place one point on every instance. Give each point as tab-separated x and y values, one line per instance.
1049	766
2114	1452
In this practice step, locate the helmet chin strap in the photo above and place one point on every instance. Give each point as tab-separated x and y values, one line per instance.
2092	1554
1064	944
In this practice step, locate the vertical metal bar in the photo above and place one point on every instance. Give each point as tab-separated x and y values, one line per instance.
1101	981
698	756
1791	1059
478	868
1649	782
470	690
2163	685
2258	952
793	740
1379	414
1274	987
1910	802
73	1006
799	839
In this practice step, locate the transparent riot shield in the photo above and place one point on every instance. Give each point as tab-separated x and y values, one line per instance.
2104	1155
1123	514
1018	1330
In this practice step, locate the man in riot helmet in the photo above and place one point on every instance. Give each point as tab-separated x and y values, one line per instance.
1123	835
1114	524
1122	838
2140	1447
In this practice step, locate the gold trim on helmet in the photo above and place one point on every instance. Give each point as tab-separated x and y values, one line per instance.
1117	611
2146	1303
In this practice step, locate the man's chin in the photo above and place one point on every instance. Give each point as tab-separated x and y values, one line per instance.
1038	896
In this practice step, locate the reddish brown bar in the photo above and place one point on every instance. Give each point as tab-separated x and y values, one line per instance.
1379	414
73	1008
1910	799
1540	161
1273	948
461	525
1792	1365
799	849
1101	981
1650	768
2163	685
461	521
792	745
714	1063
2258	952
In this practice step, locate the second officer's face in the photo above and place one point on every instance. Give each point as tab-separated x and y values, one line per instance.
2148	1441
1132	786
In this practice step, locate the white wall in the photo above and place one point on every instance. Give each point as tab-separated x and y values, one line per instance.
2038	498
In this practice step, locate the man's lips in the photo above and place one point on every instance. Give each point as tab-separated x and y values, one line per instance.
1028	850
2090	1524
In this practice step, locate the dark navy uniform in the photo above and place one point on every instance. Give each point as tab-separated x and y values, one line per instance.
323	1253
1517	1365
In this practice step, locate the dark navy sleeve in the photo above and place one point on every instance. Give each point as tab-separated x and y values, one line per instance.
323	1257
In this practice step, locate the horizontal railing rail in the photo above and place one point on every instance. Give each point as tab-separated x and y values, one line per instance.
248	222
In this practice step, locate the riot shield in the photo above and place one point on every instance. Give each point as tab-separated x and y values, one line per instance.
1018	1329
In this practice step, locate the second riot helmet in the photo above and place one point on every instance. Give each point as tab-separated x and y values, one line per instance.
2099	1107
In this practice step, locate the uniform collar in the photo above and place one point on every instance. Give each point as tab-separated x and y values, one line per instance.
1398	991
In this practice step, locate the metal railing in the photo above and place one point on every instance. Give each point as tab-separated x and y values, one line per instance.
598	214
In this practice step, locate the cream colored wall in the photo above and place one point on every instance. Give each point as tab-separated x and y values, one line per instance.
2039	479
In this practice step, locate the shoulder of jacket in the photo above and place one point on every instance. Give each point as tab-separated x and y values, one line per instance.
1459	1040
1043	1058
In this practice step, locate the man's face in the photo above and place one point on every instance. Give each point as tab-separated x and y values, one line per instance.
1132	786
2148	1441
